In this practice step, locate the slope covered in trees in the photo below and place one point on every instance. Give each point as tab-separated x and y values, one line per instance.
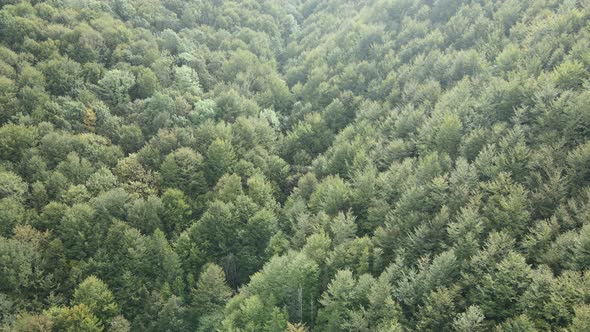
292	165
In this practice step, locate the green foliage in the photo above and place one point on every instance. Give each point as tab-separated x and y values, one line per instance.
168	315
499	289
576	159
470	320
581	319
437	312
183	169
76	318
12	185
62	76
336	301
570	75
330	196
102	180
115	85
518	323
146	83
18	263
15	140
220	159
32	323
94	294
78	231
209	297
309	138
290	282
294	165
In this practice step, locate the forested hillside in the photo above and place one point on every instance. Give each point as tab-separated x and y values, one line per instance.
294	165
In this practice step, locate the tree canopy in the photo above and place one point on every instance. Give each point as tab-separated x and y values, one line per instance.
294	165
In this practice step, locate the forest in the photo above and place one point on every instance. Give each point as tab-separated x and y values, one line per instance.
294	165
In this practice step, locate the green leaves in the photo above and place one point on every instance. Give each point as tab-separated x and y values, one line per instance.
290	282
62	76
219	160
570	75
364	303
500	288
577	160
94	294
15	140
76	318
331	196
115	86
183	169
294	165
209	297
12	185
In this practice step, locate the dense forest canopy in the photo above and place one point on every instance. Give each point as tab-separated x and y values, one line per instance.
294	165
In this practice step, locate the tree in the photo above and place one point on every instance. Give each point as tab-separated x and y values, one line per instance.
261	192
183	169
501	288
579	175
233	104
363	195
146	83
289	281
109	206
581	319
95	294
76	169
248	313
278	321
465	232
19	260
8	98
134	177
15	140
164	314
255	237
437	312
120	262
101	181
470	320
219	160
76	318
203	110
131	138
506	206
570	75
518	323
175	212
63	76
13	214
12	185
78	231
339	113
145	214
357	254
209	297
115	86
187	80
298	165
332	195
307	139
338	299
443	134
119	324
32	323
410	286
161	266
